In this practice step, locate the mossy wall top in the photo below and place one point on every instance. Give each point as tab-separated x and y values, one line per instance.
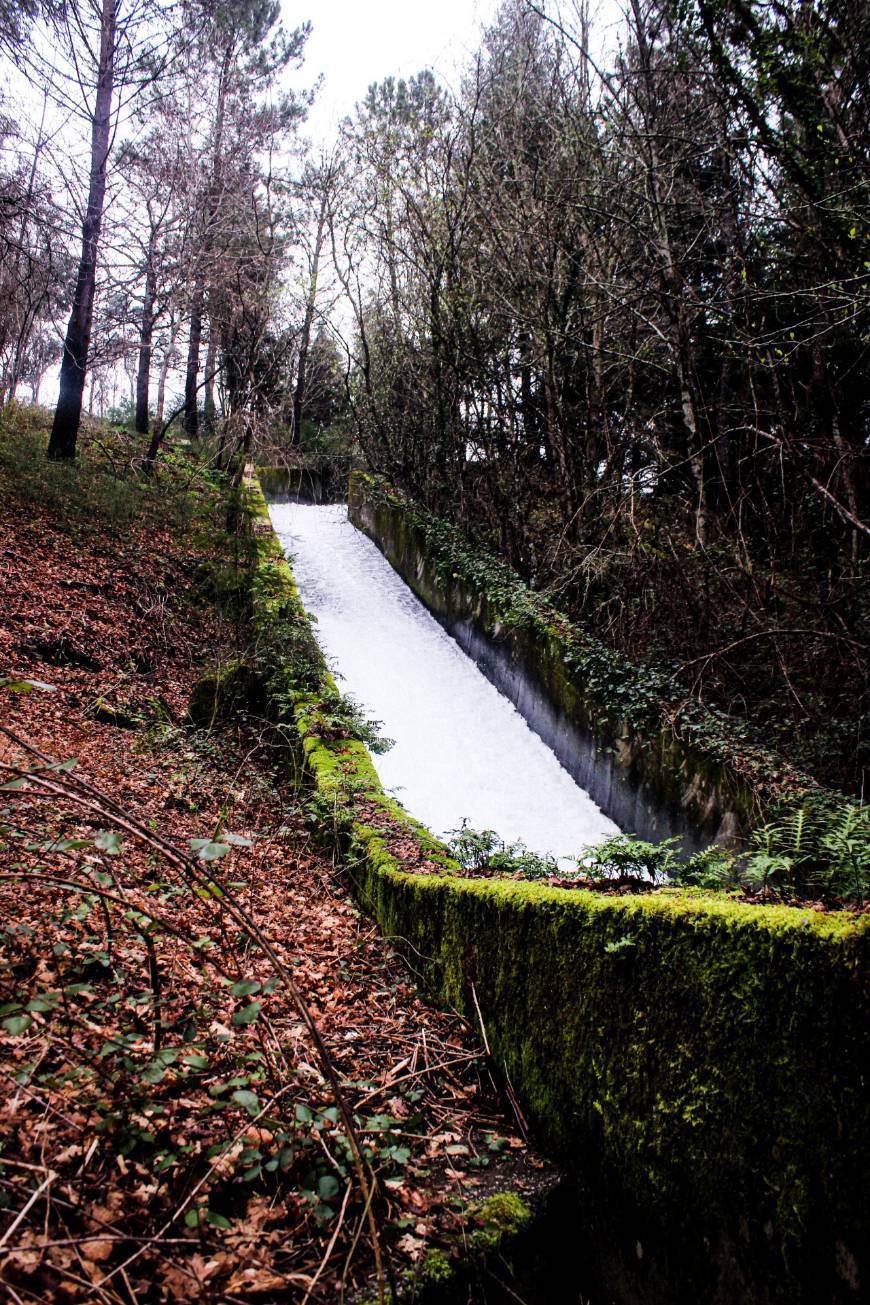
658	766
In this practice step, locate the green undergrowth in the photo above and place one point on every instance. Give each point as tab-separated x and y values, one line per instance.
810	853
701	1057
104	491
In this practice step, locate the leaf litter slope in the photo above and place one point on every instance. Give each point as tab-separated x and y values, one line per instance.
167	1132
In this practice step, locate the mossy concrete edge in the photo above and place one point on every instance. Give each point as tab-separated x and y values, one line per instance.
702	1060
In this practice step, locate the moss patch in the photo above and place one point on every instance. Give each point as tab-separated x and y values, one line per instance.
233	688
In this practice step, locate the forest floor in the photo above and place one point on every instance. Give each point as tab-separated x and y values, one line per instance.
167	1128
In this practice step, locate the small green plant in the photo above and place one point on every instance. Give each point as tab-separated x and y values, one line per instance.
338	716
482	849
814	850
626	858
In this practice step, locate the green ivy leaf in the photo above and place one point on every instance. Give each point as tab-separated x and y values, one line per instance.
108	841
328	1187
207	849
248	1100
195	1062
17	1024
248	1014
44	1001
236	840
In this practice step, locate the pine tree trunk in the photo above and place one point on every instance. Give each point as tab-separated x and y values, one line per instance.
191	407
191	403
305	339
146	330
65	428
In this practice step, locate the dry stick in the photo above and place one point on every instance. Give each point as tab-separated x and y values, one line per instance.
333	1239
158	1236
350	1253
515	1105
368	1184
420	1073
108	1237
480	1018
23	1211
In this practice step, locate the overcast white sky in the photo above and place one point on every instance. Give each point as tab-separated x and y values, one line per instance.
353	44
356	42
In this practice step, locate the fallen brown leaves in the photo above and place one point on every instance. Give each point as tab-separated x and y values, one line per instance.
167	1130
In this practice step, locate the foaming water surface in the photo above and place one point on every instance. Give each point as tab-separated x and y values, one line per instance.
461	749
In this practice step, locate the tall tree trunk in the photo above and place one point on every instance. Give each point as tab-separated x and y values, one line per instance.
67	415
208	404
191	409
308	321
191	402
164	373
146	330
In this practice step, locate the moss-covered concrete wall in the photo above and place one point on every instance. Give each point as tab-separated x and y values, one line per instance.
699	1063
657	765
313	478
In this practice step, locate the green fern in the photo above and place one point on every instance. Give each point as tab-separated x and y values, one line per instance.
846	844
817	849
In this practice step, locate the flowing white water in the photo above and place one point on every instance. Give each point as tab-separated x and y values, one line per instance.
462	751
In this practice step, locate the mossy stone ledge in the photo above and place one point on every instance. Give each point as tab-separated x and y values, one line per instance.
699	1063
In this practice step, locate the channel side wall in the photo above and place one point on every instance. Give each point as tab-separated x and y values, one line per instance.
656	774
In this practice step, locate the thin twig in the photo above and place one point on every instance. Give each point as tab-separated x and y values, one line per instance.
46	1183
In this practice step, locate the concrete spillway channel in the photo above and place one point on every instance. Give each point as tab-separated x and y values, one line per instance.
695	1062
461	751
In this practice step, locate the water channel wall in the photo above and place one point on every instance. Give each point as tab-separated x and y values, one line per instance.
310	478
659	766
699	1064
